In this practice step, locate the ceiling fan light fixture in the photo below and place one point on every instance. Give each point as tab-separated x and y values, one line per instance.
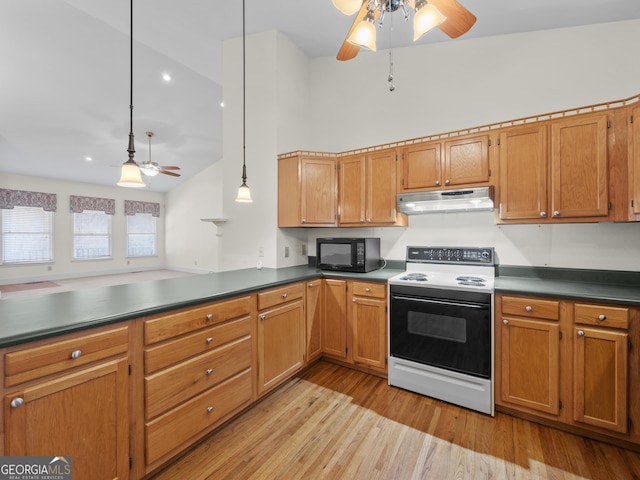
427	16
364	34
348	7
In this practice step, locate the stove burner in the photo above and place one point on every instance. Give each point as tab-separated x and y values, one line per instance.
471	281
416	277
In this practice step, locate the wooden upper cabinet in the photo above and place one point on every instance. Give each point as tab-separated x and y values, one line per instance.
451	163
634	159
367	189
523	172
421	166
550	171
307	191
352	189
579	171
466	161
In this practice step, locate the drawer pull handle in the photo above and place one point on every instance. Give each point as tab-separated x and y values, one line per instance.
367	290
505	321
528	308
284	295
209	409
76	354
209	317
209	339
581	333
209	371
602	317
16	402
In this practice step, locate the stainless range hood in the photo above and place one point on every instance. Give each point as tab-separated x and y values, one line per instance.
463	200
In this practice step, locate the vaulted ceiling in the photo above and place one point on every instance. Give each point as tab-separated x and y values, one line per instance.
64	72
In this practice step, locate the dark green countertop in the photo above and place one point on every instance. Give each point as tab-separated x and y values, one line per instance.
32	318
588	285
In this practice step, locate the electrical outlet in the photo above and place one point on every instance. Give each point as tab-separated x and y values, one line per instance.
303	249
286	252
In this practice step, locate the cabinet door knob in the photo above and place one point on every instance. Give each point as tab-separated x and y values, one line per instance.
209	317
362	220
16	402
354	300
304	220
602	317
528	308
209	409
284	295
556	213
369	220
543	214
209	339
505	321
581	333
447	182
76	354
311	285
437	182
367	289
209	371
263	316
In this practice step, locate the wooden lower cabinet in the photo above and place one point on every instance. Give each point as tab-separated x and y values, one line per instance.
281	335
79	411
313	313
572	367
368	321
334	318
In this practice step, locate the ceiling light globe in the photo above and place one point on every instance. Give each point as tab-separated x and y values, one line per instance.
130	176
427	17
364	34
348	7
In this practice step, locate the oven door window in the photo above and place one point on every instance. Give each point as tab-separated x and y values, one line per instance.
447	334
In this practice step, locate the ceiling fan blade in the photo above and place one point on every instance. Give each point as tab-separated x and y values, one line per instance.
168	167
167	172
459	19
349	50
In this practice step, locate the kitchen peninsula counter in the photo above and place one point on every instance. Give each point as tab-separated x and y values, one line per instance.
588	285
32	318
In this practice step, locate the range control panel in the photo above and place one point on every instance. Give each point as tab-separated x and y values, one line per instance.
462	255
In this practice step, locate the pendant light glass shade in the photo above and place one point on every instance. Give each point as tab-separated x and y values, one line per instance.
244	194
348	7
427	16
130	175
364	34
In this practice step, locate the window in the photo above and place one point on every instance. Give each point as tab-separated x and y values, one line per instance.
141	235
27	235
91	235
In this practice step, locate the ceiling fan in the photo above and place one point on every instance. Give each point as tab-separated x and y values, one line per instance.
448	15
151	169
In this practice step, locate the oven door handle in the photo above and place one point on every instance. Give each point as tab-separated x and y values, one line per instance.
438	302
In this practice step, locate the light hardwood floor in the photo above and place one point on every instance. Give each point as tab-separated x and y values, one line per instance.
336	423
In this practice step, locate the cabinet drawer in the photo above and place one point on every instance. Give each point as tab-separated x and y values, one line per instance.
181	382
278	296
176	427
604	316
365	289
205	340
185	321
531	307
35	362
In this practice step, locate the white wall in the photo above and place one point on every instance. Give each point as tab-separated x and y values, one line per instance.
63	265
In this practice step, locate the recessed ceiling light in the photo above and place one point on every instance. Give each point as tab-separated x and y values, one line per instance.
166	76
222	104
88	159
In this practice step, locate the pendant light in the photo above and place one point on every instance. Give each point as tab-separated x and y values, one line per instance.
130	172
244	194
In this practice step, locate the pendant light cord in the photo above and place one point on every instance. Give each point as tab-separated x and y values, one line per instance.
131	148
244	101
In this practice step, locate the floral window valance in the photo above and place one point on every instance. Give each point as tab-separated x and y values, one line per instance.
80	204
131	207
22	198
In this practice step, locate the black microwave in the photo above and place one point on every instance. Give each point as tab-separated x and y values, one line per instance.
348	254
